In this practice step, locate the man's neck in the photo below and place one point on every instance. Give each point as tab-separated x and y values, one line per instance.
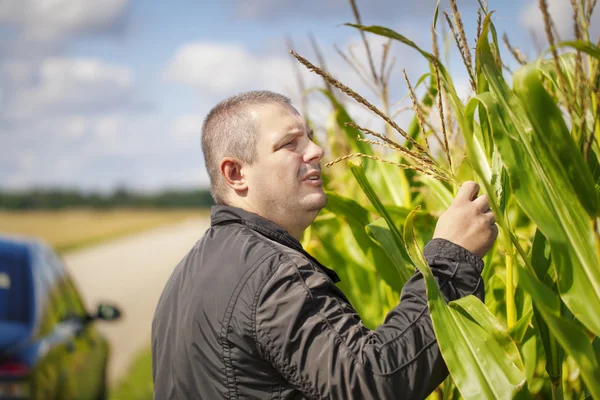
295	232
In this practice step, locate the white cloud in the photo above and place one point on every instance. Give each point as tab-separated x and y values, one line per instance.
75	128
218	70
100	152
59	85
338	9
226	68
73	121
52	19
16	71
561	12
108	127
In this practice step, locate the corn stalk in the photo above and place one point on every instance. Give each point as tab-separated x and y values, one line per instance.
534	149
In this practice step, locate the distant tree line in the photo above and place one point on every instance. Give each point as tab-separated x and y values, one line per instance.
52	199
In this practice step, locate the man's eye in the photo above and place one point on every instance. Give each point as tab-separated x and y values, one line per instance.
289	144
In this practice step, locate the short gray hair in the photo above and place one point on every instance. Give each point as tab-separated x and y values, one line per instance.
230	131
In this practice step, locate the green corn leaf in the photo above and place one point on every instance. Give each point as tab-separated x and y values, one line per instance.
594	166
586	47
354	214
569	334
349	208
495	295
531	354
540	256
482	359
472	307
363	181
392	180
383	255
435	14
400	270
540	259
425	225
517	332
528	133
500	182
441	192
596	346
551	138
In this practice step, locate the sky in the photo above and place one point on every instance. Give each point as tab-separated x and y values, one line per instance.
100	94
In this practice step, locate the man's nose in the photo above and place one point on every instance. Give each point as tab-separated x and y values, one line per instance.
313	152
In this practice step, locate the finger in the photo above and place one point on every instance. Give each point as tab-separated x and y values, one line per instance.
467	192
495	231
489	217
482	203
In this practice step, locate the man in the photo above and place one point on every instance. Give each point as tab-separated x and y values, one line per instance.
248	314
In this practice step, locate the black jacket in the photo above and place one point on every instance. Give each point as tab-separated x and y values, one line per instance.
248	314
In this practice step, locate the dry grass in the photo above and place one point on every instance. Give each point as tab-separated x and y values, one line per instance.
69	229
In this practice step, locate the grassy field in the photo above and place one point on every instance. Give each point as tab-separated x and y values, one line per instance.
137	385
70	229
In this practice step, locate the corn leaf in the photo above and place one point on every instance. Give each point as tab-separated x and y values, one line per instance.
435	14
392	180
399	270
517	332
569	334
472	307
363	181
551	138
540	259
529	135
482	359
586	47
439	190
382	255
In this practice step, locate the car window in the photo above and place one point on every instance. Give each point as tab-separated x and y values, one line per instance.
15	289
70	301
75	304
58	295
45	288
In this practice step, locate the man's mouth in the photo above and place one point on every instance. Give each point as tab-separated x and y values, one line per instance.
312	176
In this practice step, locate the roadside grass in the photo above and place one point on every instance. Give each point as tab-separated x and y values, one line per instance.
70	229
137	384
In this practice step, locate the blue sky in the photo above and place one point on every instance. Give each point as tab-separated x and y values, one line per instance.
96	94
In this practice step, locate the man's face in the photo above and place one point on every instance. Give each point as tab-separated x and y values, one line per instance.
284	182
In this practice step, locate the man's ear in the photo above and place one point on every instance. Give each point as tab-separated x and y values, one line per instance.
231	170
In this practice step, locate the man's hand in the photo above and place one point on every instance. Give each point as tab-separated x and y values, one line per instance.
469	222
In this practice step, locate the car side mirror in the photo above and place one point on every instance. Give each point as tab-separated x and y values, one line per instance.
107	312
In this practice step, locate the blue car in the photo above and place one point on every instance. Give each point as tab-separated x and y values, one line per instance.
49	346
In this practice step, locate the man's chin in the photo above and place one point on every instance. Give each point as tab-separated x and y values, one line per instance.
317	202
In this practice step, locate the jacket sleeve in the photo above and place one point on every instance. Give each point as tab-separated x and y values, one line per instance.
306	328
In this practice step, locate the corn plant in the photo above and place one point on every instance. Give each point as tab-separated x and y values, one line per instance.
534	149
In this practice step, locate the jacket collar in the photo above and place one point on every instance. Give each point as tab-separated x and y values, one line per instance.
221	215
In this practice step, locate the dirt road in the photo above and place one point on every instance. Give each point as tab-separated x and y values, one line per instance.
131	273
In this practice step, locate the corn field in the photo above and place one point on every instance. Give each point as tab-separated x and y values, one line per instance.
533	147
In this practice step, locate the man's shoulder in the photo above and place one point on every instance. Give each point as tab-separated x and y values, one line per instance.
237	242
